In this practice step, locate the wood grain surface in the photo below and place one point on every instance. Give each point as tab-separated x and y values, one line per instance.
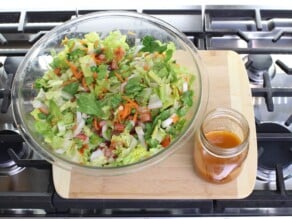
174	178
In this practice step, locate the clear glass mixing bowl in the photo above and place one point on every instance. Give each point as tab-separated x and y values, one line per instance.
36	63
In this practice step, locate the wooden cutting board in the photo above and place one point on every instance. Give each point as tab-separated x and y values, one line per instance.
174	178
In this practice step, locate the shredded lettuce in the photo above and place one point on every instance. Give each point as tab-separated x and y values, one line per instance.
100	90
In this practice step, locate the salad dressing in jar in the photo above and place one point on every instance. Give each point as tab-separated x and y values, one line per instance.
221	146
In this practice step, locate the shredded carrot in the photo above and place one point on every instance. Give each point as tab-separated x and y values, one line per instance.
123	114
68	82
133	103
84	84
146	68
94	75
96	125
77	74
135	117
175	118
119	77
119	53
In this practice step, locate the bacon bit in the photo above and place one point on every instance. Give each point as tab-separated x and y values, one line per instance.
77	74
114	65
113	145
57	71
99	58
84	147
166	141
119	127
119	53
73	99
44	110
119	77
175	118
108	152
145	116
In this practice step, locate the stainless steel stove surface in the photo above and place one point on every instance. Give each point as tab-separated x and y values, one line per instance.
261	35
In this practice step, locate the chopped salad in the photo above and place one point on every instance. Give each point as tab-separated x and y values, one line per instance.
105	103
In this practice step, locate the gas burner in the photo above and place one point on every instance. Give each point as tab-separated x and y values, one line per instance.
272	153
258	64
12	140
11	64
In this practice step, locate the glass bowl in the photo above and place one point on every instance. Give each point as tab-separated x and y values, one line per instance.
36	63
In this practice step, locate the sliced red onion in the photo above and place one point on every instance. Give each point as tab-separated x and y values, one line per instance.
102	123
79	127
185	87
143	109
78	117
123	86
140	134
96	154
154	102
141	124
166	123
103	132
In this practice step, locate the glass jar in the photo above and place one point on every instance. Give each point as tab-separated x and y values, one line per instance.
221	145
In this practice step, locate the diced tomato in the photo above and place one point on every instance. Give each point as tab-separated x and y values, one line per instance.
145	116
84	147
119	127
100	58
57	71
119	53
81	136
113	145
166	141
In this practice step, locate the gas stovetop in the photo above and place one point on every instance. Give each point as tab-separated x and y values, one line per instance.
260	34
